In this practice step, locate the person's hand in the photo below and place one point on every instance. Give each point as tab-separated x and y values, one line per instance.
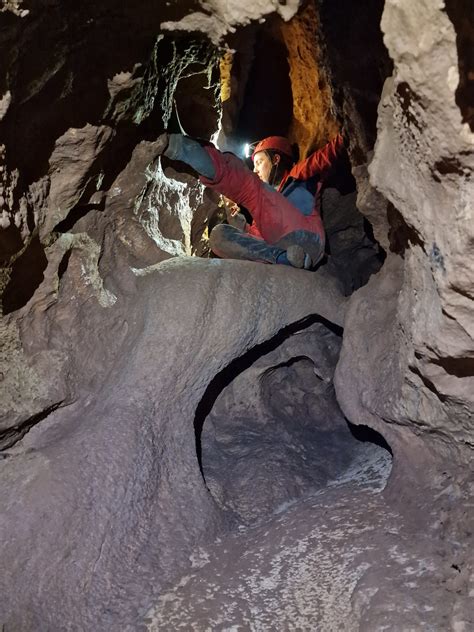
237	221
232	210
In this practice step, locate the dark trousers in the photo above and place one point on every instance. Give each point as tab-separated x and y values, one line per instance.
232	243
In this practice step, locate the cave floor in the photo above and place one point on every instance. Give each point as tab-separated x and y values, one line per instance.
339	559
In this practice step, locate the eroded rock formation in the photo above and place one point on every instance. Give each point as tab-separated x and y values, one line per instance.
174	440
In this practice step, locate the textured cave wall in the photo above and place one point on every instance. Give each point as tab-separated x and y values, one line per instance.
418	312
314	117
85	93
104	500
411	154
423	164
81	87
98	328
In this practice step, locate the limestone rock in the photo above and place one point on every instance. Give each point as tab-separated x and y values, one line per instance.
120	465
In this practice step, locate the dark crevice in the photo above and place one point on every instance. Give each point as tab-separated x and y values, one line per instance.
287	364
408	99
9	437
356	79
429	384
10	243
400	234
26	276
353	253
77	213
461	14
240	364
268	84
463	292
64	264
368	435
460	367
449	165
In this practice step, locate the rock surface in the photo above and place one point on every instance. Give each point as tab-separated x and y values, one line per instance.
341	559
115	347
110	484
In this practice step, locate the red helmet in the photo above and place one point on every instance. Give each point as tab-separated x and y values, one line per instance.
276	143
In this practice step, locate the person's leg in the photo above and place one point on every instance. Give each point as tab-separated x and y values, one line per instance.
310	245
191	152
229	242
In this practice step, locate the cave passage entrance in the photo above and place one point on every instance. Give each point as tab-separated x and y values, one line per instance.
269	429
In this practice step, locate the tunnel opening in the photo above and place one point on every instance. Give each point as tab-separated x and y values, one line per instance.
269	430
225	377
267	107
367	434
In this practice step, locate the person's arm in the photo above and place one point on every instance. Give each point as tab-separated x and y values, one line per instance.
224	172
320	162
191	152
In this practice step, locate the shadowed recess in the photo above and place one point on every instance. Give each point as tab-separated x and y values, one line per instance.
240	364
26	276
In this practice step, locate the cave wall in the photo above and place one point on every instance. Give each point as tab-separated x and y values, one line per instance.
423	164
314	116
81	88
82	195
97	328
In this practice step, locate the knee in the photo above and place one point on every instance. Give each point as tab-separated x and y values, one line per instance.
219	239
222	238
217	236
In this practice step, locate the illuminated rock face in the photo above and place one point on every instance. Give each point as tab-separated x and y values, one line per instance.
118	466
428	150
103	499
313	113
423	165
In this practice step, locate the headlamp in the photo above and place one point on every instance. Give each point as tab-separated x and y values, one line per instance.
248	148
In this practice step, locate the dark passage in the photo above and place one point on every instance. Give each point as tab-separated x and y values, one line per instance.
269	429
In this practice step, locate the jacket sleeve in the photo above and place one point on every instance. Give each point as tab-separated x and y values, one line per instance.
320	162
235	180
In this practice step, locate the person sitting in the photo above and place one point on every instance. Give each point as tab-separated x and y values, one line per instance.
282	197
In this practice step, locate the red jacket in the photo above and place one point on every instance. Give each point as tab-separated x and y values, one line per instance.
273	212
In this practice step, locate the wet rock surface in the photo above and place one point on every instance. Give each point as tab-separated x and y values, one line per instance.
339	559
